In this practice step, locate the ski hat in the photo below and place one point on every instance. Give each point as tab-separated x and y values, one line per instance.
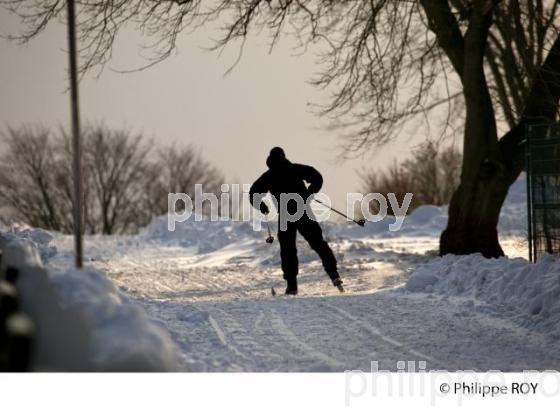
276	157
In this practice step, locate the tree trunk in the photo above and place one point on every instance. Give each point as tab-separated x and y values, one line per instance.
475	207
488	173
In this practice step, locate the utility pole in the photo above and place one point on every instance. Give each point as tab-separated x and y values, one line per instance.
75	118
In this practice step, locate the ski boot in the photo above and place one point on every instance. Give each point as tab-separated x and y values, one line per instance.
338	284
291	289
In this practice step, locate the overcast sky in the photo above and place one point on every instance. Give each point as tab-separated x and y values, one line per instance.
233	119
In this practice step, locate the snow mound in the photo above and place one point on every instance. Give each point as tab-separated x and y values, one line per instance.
123	337
422	279
84	322
532	290
208	236
34	237
19	252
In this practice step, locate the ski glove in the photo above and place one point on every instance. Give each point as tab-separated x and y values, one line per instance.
264	208
308	193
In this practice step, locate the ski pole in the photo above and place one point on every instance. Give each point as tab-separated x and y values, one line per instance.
360	222
270	238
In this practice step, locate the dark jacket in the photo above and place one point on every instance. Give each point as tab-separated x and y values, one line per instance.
286	177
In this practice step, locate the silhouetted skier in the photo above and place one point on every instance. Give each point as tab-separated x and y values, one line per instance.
285	177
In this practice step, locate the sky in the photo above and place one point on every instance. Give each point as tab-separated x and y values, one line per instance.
234	119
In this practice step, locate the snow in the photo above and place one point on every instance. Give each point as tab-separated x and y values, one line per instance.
422	279
35	238
206	289
530	291
123	337
84	323
20	253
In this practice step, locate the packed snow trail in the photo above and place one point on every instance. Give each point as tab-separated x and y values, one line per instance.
219	311
208	283
336	333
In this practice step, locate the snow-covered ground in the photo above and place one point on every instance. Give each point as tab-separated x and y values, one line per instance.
82	321
209	284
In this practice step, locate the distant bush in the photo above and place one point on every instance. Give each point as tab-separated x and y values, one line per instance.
125	179
431	175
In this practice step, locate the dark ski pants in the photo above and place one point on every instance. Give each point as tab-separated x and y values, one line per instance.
312	233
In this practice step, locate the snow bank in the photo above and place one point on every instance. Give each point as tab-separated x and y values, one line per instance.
37	238
227	241
83	322
206	235
531	291
19	253
123	338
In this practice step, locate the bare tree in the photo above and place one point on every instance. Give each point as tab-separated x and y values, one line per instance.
114	168
393	179
125	181
179	169
435	173
387	64
432	175
27	178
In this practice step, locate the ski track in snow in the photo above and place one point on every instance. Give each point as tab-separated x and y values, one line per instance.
209	284
218	309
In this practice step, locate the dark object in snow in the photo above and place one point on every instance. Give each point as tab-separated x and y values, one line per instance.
285	177
338	284
291	289
270	238
287	292
20	332
16	330
11	275
8	300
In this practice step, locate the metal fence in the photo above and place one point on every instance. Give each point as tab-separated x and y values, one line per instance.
543	188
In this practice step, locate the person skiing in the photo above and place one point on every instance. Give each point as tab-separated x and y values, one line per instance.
285	177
